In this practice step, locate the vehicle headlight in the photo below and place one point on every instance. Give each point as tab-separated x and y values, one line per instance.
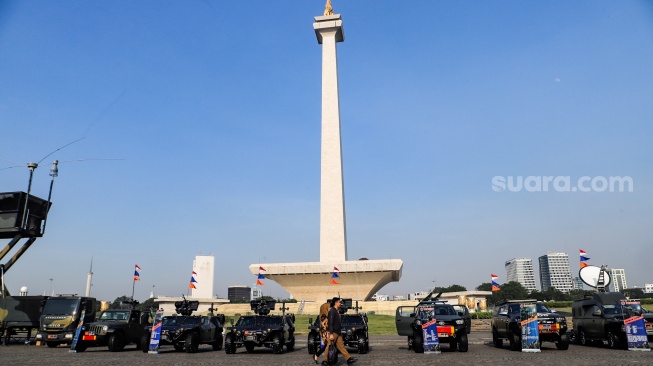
561	320
38	336
238	333
264	333
418	322
68	336
105	328
460	322
348	331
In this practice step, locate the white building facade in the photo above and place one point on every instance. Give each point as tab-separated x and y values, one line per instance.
521	270
648	288
555	272
618	283
203	266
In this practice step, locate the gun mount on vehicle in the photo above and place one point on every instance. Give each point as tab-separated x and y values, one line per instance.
262	330
185	332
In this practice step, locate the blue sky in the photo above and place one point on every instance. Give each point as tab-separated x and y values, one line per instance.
214	109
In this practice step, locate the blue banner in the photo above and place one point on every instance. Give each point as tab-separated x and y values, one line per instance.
155	336
530	336
78	332
430	337
635	326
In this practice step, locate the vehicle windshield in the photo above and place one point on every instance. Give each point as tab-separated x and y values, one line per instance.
115	315
259	321
540	308
60	306
435	311
612	309
348	321
186	321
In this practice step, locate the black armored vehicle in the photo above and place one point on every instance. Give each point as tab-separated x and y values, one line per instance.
599	318
185	332
452	328
115	329
506	324
262	329
354	329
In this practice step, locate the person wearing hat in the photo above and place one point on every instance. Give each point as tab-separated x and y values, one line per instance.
334	327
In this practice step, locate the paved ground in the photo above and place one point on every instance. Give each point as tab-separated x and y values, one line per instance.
385	350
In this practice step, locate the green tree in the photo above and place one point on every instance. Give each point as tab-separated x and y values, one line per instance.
510	291
453	288
117	303
633	293
485	286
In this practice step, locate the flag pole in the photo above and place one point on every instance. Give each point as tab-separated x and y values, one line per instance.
133	286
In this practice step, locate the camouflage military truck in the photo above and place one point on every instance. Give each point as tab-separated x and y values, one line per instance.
60	317
19	316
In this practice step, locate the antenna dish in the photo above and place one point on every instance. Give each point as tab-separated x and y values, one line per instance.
590	276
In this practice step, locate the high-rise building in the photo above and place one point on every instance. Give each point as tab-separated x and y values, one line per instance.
203	268
578	283
521	270
555	272
618	282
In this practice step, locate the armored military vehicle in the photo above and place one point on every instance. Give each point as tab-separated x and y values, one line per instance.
60	317
262	329
185	332
19	315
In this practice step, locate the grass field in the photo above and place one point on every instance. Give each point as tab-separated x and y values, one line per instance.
377	324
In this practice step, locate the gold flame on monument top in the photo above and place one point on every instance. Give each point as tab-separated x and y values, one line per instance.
328	9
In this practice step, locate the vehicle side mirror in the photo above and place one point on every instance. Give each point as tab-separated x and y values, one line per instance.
231	321
554	310
597	312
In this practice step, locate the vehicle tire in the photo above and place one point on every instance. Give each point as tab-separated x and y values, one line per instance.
217	344
418	345
249	346
582	339
463	343
613	341
312	344
145	342
515	342
229	344
453	345
563	343
192	342
277	344
178	347
362	345
52	344
116	342
290	346
498	342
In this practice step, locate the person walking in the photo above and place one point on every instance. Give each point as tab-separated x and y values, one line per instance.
334	327
324	321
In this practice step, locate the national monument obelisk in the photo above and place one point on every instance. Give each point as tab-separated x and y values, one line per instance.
311	280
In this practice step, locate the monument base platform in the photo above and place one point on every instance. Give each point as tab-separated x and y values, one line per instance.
310	281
